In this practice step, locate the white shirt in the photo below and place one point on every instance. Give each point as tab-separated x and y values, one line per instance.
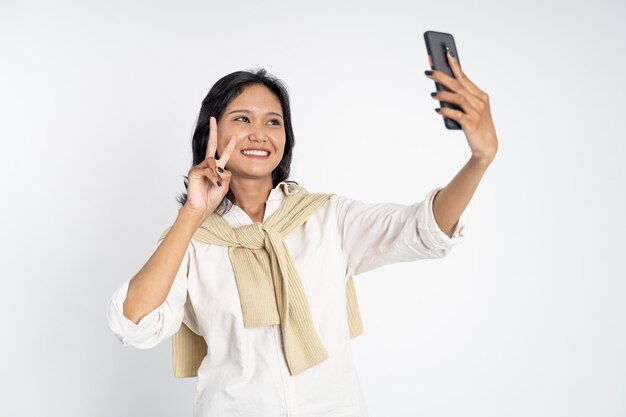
245	372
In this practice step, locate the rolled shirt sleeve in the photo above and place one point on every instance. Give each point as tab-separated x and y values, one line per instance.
157	325
430	232
377	234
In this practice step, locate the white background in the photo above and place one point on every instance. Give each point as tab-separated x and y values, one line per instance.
98	102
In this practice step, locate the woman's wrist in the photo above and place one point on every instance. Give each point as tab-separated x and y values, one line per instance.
190	217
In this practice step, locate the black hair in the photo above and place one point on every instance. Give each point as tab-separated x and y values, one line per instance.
214	104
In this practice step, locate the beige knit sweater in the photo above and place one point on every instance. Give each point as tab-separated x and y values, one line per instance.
269	288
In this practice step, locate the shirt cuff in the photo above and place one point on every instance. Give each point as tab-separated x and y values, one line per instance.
129	333
430	232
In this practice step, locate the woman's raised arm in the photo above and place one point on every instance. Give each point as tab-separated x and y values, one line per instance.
148	289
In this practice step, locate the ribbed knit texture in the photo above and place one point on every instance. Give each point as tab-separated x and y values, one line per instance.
270	290
188	351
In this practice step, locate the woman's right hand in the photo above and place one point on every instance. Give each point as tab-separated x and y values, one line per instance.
206	186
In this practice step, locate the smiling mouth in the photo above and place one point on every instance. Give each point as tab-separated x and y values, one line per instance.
255	154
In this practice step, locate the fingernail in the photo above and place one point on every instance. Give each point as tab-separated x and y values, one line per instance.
428	72
220	169
433	94
437	109
219	183
451	53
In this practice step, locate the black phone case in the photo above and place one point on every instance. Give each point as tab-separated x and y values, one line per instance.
436	46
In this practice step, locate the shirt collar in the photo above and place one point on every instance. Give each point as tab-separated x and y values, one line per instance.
282	189
276	195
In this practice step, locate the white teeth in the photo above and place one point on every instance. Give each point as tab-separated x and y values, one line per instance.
255	152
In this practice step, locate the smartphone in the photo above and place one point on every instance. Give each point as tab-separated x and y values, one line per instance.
437	43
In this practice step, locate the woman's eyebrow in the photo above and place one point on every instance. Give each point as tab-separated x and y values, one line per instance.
248	111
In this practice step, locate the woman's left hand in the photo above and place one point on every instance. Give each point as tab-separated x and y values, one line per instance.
475	119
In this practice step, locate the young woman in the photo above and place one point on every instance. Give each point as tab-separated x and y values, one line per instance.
261	270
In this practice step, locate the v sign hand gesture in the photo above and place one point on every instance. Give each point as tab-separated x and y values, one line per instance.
208	182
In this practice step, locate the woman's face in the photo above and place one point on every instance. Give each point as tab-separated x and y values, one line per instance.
255	120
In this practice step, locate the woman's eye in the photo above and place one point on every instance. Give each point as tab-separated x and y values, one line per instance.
276	121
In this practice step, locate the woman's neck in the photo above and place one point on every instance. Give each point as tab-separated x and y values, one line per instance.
250	195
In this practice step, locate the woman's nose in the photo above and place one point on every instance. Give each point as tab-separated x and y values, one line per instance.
258	134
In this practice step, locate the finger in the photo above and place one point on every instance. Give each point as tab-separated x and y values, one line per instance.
454	65
456	115
468	103
200	172
209	163
444	79
212	164
460	75
212	145
212	176
225	177
227	152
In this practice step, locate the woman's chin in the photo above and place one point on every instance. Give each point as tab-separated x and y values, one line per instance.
253	173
